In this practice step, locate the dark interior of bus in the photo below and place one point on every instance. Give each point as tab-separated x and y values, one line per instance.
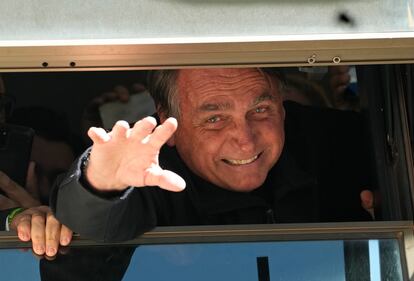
379	95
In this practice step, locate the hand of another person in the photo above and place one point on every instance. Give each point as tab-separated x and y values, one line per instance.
18	196
129	156
91	115
36	223
40	225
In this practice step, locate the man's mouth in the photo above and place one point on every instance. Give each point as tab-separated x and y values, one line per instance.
241	161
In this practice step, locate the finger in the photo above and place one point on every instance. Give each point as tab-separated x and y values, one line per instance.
65	235
164	179
122	93
22	224
52	234
7	203
5	183
108	97
32	186
38	233
120	130
162	133
16	193
143	128
98	135
138	88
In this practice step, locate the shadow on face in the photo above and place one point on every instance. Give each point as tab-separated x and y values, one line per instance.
231	125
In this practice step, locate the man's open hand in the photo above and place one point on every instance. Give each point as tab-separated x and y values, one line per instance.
129	156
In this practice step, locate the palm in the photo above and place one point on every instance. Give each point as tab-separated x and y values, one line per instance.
129	157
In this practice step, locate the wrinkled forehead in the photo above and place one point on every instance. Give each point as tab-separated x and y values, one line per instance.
222	79
218	74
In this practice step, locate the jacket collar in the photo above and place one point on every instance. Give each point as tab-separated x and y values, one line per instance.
282	179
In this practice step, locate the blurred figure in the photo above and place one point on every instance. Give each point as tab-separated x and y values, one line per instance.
332	87
305	92
21	209
340	82
123	102
54	146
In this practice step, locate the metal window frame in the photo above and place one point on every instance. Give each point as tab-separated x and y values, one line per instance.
128	54
402	231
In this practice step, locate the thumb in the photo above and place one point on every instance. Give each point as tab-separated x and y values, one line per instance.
165	179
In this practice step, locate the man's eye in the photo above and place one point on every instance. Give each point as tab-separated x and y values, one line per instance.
213	119
260	110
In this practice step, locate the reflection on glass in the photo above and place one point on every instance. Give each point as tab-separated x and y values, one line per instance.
294	260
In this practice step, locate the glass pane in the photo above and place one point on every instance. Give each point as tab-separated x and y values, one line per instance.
144	19
299	260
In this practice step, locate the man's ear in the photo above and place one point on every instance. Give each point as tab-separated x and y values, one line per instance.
163	117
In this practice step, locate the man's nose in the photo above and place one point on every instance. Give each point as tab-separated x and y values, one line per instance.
243	136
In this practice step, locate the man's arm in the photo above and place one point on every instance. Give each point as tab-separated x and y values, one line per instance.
99	201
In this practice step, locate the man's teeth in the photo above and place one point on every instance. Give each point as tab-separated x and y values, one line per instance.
241	162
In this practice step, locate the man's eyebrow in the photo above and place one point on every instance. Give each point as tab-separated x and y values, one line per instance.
263	97
213	106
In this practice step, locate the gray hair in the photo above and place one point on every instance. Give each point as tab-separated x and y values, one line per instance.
162	85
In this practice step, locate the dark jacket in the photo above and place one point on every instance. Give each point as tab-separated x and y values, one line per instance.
291	192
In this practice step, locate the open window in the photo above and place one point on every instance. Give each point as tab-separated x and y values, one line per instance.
61	57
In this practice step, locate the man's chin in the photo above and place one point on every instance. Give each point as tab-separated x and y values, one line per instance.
246	186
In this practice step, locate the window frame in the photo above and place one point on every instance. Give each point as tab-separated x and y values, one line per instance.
310	50
135	54
402	231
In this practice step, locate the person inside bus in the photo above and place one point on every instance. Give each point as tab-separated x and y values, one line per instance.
53	150
228	151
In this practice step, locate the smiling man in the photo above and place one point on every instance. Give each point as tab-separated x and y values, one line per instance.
218	157
231	126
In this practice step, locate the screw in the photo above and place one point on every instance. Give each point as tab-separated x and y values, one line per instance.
312	59
336	60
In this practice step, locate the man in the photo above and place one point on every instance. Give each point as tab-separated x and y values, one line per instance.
228	149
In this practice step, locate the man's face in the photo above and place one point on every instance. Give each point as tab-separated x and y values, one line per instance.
231	129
